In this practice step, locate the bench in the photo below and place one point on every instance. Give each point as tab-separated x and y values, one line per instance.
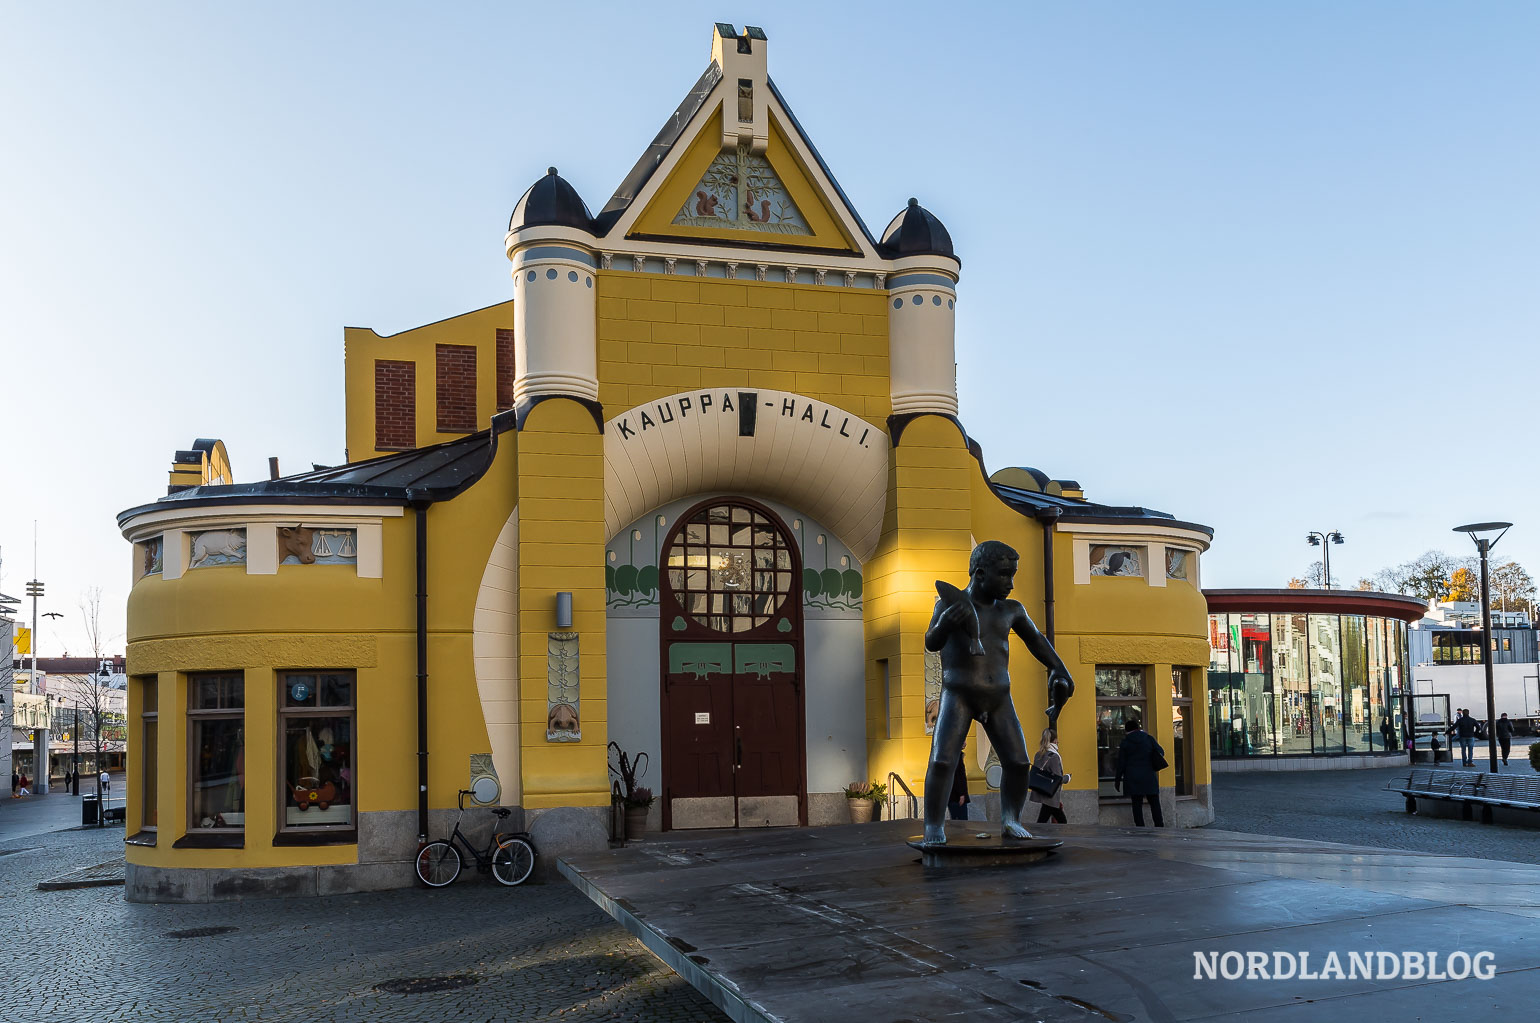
1468	788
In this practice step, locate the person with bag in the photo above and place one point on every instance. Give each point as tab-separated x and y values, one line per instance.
1047	779
1140	761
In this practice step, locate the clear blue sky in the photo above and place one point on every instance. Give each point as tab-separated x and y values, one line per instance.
1269	267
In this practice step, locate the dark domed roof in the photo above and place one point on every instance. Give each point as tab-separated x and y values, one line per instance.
551	201
916	232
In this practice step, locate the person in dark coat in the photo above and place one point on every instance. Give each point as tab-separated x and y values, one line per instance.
1136	767
1505	736
1465	728
957	804
15	784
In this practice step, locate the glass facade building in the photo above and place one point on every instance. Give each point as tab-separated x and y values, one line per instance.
1307	672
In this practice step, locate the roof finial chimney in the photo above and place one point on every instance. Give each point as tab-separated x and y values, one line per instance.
746	106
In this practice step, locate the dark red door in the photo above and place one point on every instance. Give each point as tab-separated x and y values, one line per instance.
731	649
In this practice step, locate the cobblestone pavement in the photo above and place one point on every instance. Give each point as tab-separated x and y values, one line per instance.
1352	807
536	952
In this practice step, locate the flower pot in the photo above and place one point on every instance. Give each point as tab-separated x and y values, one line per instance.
636	822
860	810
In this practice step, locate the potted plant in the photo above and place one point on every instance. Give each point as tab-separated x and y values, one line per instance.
860	802
863	797
636	799
637	805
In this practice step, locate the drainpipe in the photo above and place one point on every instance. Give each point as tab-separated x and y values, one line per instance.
420	504
1048	516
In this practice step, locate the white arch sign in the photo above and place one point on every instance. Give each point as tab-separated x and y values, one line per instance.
801	452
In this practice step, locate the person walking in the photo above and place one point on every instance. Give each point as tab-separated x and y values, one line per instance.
1465	728
957	804
1140	759
26	785
15	784
1048	760
1505	736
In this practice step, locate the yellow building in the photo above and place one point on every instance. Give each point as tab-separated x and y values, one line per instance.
686	492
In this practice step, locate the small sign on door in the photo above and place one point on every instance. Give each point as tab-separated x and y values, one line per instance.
702	717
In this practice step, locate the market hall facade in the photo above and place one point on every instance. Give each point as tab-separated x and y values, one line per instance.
687	491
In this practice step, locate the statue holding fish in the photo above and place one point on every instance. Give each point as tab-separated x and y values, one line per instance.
971	629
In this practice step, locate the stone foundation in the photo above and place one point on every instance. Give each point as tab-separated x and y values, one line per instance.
387	845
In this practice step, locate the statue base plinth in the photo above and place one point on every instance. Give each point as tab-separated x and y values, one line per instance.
970	845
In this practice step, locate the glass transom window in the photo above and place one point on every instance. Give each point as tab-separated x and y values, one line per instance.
730	568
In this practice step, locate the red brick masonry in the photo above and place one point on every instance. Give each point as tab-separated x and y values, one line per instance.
395	405
504	370
455	378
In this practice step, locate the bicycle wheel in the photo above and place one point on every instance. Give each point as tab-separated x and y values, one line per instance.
438	864
513	861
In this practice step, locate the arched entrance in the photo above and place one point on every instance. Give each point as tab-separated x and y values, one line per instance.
731	647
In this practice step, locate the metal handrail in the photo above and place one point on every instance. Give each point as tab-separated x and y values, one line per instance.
894	784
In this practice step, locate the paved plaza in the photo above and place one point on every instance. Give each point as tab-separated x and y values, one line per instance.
544	951
1353	807
823	923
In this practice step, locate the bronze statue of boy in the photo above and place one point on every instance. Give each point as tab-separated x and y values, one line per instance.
972	630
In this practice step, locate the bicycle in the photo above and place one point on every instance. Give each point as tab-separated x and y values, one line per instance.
509	855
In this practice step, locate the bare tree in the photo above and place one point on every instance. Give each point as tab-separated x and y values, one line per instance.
1311	579
96	710
1511	588
1427	576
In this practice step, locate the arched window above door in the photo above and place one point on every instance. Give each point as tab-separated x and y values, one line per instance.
730	568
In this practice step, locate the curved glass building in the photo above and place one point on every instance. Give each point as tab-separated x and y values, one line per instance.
1307	673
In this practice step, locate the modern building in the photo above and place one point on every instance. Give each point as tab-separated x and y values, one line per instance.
1308	678
686	494
1446	657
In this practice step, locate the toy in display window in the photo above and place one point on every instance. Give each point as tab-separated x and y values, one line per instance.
320	774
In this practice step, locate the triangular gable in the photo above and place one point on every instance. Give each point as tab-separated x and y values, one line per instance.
806	209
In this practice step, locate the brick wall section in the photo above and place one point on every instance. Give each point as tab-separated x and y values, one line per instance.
504	370
455	387
395	405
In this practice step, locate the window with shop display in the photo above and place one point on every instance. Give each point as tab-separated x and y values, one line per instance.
216	729
316	716
1120	698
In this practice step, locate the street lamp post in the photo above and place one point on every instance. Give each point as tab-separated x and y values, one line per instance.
1484	547
1324	541
99	700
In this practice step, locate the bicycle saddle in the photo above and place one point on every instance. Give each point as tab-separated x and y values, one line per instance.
501	811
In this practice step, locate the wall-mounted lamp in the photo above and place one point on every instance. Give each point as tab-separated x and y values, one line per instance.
564	610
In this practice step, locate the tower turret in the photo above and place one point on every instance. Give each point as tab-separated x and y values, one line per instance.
922	290
550	243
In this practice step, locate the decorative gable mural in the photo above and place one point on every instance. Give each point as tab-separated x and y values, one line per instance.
741	190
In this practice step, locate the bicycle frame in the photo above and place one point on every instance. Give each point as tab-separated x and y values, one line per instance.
483	860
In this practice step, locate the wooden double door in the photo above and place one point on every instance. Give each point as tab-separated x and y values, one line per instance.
731	648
